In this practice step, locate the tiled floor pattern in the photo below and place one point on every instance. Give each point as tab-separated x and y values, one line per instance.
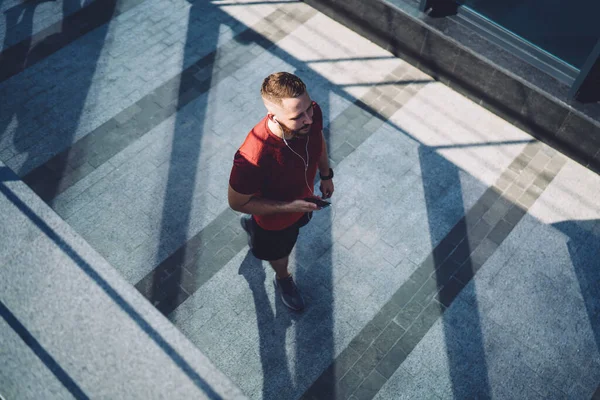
384	343
127	127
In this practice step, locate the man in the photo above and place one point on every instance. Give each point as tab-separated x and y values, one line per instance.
273	174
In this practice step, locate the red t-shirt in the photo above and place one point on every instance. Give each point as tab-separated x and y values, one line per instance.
265	167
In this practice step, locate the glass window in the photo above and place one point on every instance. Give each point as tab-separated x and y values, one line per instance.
567	29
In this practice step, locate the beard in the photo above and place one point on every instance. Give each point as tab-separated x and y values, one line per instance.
293	133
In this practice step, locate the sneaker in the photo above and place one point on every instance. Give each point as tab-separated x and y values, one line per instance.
246	223
290	295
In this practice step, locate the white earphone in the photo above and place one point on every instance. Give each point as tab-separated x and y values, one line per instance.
305	162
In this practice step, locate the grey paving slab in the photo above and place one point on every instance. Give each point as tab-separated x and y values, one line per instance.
71	120
341	330
35	18
517	305
559	317
353	262
16	229
80	323
406	386
406	173
24	375
155	212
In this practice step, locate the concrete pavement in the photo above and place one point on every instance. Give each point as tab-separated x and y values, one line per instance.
459	258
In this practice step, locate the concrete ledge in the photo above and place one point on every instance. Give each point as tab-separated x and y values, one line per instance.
71	326
478	69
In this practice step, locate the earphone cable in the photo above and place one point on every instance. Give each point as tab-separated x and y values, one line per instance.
305	162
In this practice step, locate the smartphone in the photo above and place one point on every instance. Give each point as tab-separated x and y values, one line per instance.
320	203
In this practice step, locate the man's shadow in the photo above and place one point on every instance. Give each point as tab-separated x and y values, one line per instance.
272	327
443	192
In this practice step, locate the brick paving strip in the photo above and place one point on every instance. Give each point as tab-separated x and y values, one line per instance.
193	264
48	41
52	178
384	343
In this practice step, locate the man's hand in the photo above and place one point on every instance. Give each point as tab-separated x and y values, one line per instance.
248	204
301	206
327	188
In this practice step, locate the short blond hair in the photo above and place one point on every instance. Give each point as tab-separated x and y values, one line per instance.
282	85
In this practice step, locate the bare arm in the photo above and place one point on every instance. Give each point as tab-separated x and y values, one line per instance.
324	159
326	186
249	204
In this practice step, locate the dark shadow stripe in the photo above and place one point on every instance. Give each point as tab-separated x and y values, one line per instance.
385	342
253	3
486	144
332	60
180	275
7	174
183	365
596	395
41	353
194	263
48	41
49	179
383	83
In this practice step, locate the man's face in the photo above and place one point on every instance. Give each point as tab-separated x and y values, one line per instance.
295	115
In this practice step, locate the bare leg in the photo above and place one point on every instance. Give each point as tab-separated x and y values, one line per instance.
290	295
281	267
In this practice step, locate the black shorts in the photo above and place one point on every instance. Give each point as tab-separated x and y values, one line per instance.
273	245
